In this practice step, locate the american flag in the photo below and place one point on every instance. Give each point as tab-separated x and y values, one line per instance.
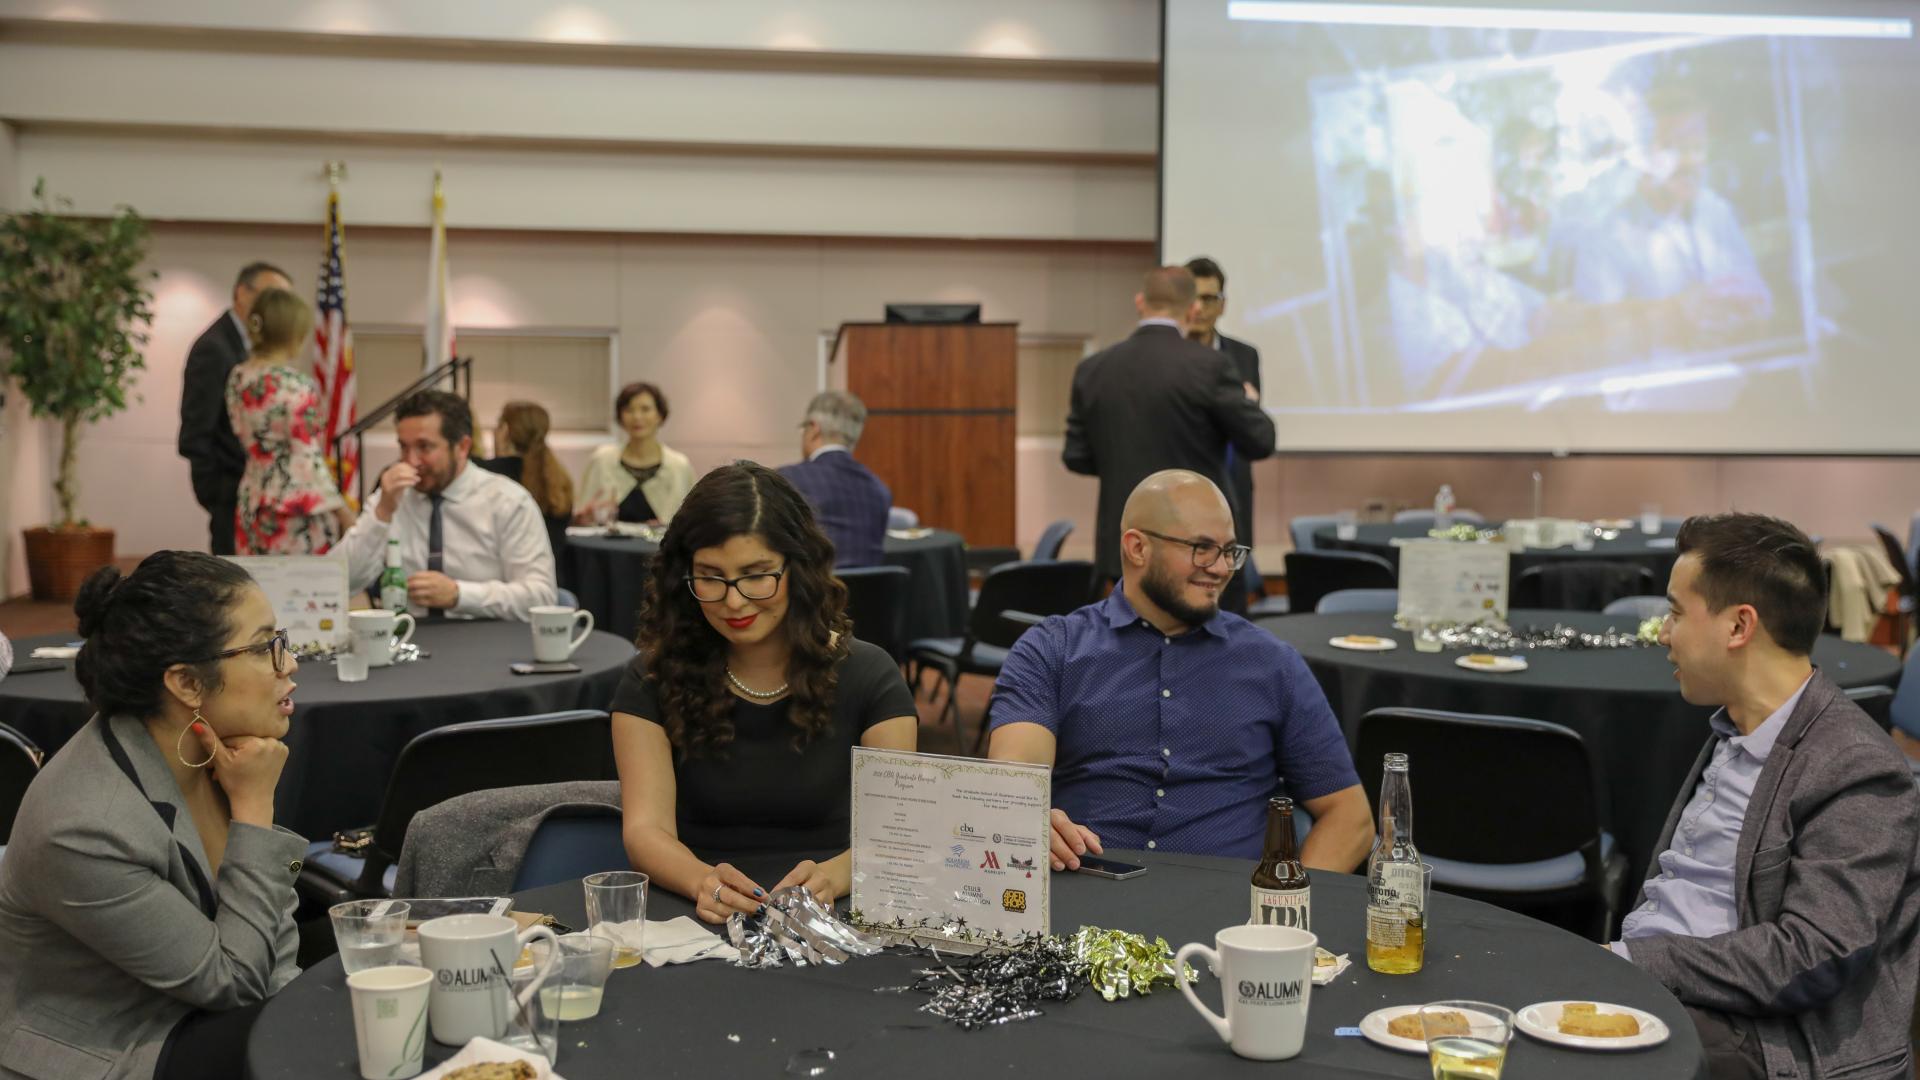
333	363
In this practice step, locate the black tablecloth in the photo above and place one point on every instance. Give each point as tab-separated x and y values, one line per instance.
710	1019
609	573
1623	702
1651	550
346	737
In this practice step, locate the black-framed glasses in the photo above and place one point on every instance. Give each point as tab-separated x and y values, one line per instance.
712	590
275	646
1206	552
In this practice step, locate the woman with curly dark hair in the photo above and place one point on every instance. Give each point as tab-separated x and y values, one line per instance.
732	726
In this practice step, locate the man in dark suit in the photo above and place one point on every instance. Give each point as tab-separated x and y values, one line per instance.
206	435
1210	286
1159	401
850	502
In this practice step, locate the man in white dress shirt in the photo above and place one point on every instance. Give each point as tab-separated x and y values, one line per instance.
472	542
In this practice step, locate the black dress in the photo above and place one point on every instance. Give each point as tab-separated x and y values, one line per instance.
760	795
635	506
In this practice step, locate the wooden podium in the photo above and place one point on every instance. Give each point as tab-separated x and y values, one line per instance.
940	401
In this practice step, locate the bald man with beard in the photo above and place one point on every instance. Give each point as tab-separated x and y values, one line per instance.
1168	722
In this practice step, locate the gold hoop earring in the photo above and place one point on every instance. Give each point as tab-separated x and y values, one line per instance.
181	738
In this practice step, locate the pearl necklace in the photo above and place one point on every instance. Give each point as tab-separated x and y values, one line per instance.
751	692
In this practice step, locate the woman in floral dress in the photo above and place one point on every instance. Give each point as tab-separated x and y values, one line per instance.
289	504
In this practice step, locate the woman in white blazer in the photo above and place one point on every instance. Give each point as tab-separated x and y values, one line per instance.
642	480
146	900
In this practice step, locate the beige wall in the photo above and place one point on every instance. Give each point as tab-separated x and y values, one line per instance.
729	327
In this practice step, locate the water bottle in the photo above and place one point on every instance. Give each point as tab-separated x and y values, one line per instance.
1443	507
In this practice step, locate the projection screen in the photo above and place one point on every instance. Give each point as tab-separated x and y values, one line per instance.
1558	228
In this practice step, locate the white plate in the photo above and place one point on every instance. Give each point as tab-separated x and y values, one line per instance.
1501	664
1385	644
1374	1027
1542	1021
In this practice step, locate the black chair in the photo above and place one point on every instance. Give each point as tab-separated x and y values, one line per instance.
1507	810
1259	604
1877	701
454	760
20	761
1313	574
572	842
1013	597
877	604
1051	540
1579	585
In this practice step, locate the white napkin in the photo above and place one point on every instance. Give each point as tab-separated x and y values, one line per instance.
56	652
483	1050
682	941
1326	973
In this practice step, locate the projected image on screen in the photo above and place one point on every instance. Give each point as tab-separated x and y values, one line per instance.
1593	227
1593	230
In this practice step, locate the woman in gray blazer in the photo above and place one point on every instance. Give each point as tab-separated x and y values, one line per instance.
146	900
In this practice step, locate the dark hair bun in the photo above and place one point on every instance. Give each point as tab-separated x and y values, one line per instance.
95	599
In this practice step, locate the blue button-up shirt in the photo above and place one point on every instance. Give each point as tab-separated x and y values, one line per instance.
1693	895
1173	743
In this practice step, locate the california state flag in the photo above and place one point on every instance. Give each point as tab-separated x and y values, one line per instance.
439	326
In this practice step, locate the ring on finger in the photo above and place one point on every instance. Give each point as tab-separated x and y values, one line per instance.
716	893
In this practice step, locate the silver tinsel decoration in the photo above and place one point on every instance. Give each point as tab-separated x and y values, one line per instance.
1499	638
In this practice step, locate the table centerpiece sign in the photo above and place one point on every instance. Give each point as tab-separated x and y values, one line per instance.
1445	581
950	850
308	594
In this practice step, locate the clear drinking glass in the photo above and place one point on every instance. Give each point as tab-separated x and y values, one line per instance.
617	911
1466	1040
1346	525
580	978
369	932
349	664
536	1028
1650	518
1426	636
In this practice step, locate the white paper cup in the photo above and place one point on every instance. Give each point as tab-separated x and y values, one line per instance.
390	1020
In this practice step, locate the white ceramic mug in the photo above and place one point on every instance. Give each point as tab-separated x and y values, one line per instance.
390	1019
376	634
1266	976
554	637
472	958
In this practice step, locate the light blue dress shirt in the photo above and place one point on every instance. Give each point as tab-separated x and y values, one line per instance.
1693	896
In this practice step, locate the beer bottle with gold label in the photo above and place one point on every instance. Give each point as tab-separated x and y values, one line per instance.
1396	886
1282	893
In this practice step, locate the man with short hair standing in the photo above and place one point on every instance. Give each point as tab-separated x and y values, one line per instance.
1210	288
1168	722
850	502
1784	908
1159	401
206	438
472	542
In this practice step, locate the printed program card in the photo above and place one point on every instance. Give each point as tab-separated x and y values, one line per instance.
308	594
950	848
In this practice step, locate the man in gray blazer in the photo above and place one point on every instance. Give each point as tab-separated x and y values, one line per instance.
1784	908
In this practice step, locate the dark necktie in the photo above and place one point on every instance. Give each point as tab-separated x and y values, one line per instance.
436	537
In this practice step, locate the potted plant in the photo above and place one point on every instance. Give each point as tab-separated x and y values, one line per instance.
73	318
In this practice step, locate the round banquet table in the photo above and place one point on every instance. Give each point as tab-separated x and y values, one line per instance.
710	1019
608	573
1654	551
346	737
1623	702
